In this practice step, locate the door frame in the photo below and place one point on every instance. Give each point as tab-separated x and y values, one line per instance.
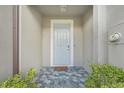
70	21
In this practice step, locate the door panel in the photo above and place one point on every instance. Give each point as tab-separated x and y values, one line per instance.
61	44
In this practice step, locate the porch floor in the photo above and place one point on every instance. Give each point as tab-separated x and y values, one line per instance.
74	77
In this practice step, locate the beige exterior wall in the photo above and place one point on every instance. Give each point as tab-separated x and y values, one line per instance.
31	39
115	21
6	42
87	38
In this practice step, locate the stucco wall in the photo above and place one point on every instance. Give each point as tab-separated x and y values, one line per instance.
115	21
87	38
6	42
31	39
78	40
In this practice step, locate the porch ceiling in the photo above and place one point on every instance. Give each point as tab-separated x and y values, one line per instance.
62	10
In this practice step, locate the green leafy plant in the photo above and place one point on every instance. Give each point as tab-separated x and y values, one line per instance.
105	76
18	82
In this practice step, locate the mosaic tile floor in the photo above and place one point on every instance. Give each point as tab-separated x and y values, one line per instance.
73	78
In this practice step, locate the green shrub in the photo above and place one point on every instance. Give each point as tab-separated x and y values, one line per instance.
116	85
105	76
18	82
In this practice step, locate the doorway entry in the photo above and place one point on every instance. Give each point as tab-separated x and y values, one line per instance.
61	42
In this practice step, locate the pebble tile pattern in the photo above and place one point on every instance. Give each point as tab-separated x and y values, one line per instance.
73	78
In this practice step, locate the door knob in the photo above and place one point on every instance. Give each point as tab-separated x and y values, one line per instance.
68	46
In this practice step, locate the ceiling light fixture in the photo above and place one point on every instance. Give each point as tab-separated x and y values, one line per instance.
63	8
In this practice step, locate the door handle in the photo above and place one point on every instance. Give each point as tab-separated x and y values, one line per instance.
68	46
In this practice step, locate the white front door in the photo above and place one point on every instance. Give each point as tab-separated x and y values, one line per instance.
62	39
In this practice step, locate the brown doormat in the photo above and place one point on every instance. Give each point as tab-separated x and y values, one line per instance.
61	68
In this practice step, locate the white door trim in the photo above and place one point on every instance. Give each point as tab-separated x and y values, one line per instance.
71	38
